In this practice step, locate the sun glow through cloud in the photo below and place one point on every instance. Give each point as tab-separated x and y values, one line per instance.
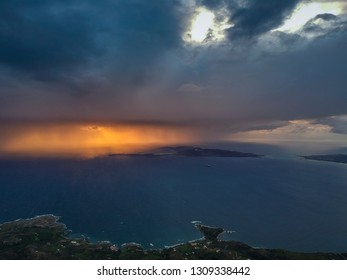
205	26
201	25
307	11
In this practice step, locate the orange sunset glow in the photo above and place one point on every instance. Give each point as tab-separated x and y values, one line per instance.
88	140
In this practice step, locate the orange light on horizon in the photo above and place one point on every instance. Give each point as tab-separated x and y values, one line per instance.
88	140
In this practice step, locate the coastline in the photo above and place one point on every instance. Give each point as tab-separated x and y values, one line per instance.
45	238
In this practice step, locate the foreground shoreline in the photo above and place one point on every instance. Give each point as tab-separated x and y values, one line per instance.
45	238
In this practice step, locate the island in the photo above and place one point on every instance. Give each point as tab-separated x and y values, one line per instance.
340	158
45	238
189	151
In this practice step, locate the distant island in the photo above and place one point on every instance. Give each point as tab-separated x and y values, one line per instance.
340	158
45	238
189	151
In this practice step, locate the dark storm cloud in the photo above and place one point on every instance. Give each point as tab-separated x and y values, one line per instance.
252	18
137	33
259	17
66	40
76	42
326	17
44	38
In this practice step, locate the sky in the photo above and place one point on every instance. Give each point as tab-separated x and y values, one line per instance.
172	69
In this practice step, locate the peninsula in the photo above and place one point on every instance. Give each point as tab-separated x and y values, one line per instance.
340	158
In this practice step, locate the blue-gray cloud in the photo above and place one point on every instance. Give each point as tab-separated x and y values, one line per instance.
324	24
338	124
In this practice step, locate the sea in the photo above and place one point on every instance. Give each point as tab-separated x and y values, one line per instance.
276	201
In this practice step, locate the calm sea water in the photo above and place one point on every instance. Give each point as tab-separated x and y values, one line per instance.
271	202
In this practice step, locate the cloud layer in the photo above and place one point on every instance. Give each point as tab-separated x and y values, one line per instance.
127	61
